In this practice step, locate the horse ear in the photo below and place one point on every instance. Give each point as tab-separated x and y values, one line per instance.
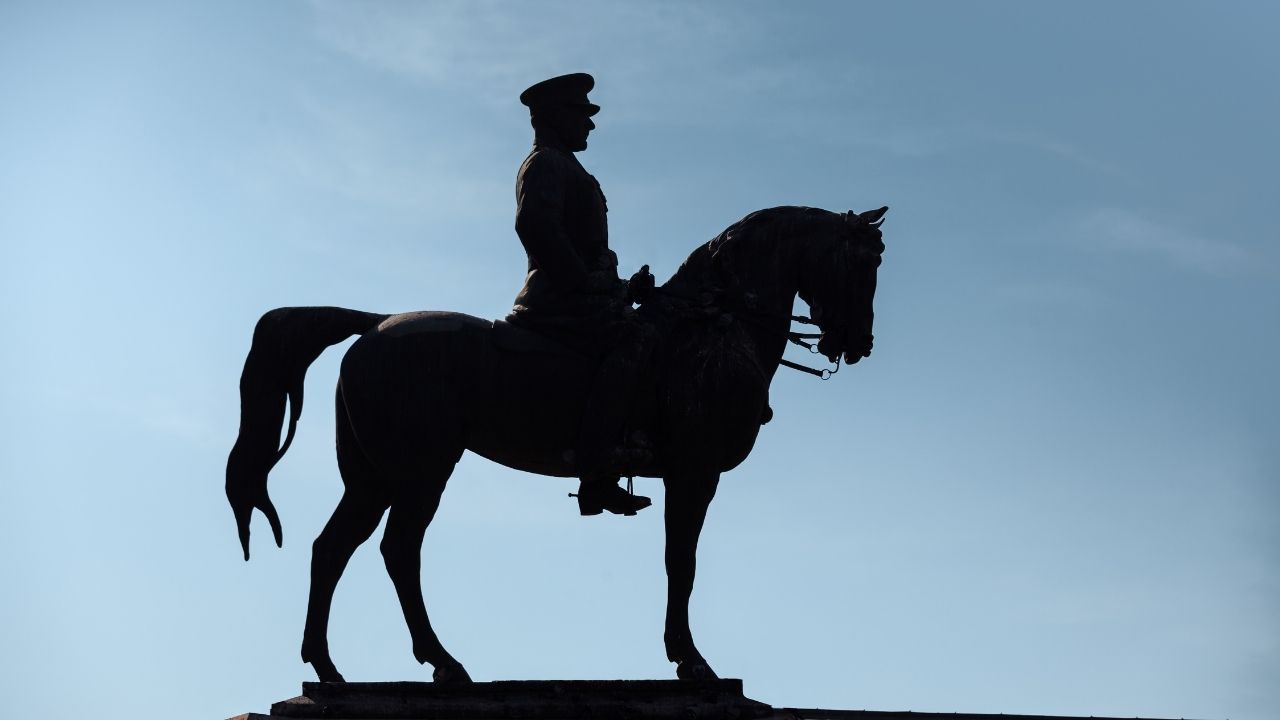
871	217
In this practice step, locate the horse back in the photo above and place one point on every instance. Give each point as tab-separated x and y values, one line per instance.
444	381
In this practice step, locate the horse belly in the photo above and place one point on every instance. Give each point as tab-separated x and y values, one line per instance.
716	439
533	411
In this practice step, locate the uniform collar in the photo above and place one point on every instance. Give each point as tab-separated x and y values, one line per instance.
541	142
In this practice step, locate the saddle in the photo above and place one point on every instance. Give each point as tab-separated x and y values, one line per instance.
512	337
591	345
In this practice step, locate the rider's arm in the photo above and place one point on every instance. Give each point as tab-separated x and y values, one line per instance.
539	212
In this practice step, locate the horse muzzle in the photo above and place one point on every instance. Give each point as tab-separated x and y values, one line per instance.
833	345
861	349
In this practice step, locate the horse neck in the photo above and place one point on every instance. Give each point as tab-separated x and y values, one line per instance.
764	273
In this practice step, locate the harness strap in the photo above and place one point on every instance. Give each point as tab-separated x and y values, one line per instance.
820	373
795	338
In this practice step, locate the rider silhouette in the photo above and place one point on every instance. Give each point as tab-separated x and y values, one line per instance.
572	289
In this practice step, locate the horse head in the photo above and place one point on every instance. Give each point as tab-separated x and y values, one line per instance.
838	282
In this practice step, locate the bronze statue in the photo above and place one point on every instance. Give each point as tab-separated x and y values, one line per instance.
418	389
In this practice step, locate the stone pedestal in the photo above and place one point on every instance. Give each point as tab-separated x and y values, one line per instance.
522	700
571	700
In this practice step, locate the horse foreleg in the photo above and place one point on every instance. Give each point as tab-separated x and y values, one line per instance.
411	512
352	523
687	499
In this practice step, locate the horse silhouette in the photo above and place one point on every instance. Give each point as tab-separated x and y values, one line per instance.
418	389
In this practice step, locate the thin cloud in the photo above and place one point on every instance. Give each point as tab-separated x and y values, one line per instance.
435	43
1064	150
1124	231
502	45
495	50
359	153
1049	293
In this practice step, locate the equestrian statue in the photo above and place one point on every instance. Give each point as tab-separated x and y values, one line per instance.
575	382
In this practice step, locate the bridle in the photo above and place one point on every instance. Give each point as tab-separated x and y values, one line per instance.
744	303
745	306
871	219
799	339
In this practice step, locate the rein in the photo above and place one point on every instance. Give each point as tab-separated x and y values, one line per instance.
800	339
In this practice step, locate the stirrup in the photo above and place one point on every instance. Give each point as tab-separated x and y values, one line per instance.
596	497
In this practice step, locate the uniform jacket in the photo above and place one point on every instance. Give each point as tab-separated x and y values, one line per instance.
561	220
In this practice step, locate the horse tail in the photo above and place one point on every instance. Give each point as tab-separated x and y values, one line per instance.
285	343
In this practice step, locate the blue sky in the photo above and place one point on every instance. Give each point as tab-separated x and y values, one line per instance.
1053	488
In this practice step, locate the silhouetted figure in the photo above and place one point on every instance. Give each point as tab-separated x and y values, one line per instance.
418	389
572	290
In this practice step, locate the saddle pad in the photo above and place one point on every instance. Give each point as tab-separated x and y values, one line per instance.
513	338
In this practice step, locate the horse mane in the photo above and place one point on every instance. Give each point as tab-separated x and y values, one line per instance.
755	235
764	225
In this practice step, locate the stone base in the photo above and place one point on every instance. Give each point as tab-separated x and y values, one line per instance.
522	700
570	700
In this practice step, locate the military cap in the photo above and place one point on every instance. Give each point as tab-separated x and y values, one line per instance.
563	90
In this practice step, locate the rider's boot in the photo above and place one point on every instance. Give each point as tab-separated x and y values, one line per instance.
599	487
595	495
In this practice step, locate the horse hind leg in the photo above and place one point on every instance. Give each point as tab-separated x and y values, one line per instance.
356	517
412	510
354	520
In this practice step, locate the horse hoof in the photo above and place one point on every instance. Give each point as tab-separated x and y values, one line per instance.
453	674
326	672
695	671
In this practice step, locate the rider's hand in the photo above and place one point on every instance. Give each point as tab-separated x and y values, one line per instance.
601	283
640	286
